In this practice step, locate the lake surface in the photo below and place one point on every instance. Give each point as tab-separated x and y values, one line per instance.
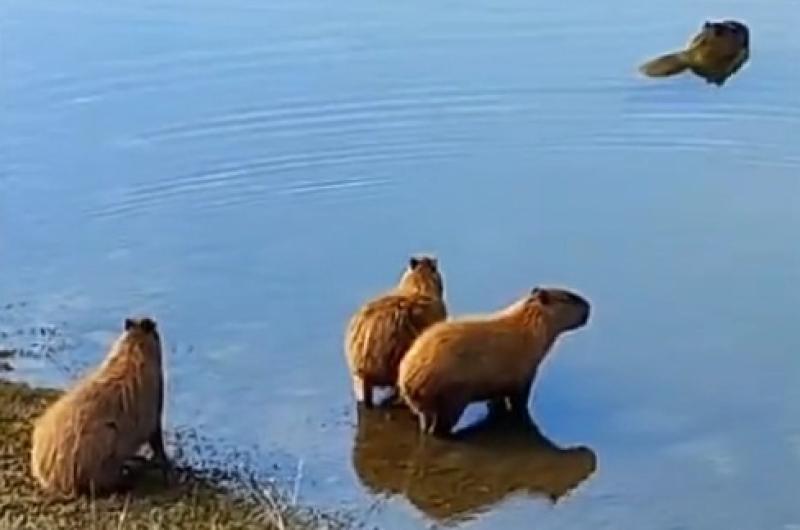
250	172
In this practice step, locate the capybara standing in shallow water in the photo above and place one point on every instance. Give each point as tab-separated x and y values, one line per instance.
485	358
82	441
380	333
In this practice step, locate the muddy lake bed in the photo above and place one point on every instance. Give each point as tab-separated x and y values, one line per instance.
248	173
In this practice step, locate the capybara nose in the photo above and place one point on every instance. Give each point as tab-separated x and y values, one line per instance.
586	312
584	306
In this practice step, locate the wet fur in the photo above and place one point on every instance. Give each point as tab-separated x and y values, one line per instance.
380	333
84	441
492	358
716	53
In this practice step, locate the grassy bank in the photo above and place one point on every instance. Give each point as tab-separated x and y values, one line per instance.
195	500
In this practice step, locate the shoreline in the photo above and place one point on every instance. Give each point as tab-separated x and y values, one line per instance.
199	498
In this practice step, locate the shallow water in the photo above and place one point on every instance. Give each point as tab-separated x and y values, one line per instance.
249	172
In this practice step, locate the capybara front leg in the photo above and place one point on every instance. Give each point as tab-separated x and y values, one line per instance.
499	406
427	422
519	400
156	443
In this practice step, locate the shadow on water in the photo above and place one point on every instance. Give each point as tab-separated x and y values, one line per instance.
458	479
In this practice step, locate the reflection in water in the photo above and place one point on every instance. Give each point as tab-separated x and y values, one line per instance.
454	480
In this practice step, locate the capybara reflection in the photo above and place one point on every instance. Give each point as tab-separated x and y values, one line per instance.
494	357
451	480
381	331
717	52
83	441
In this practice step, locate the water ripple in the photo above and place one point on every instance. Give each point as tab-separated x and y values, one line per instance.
339	113
232	183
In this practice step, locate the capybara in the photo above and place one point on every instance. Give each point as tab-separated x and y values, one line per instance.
489	358
381	331
82	442
715	53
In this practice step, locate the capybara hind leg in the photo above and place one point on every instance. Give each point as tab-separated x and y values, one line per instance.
363	391
426	423
110	477
130	474
447	417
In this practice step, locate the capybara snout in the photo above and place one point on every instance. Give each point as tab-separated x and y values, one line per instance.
569	309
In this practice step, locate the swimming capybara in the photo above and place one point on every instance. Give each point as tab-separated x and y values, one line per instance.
82	442
715	54
381	331
493	358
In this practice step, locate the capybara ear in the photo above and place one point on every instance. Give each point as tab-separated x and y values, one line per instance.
129	323
413	262
541	294
148	325
434	262
706	24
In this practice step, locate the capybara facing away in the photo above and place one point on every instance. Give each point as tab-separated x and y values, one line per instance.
82	441
491	358
382	330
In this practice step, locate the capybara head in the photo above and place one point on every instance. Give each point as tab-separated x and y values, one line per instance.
726	37
568	310
143	329
422	275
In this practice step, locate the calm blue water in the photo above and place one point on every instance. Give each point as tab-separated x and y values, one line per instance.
249	172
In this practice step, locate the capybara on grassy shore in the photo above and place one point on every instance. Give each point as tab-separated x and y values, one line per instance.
83	440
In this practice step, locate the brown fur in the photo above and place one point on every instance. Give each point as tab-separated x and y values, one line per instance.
715	53
82	441
380	333
485	358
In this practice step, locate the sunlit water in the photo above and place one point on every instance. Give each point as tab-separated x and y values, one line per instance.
249	172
